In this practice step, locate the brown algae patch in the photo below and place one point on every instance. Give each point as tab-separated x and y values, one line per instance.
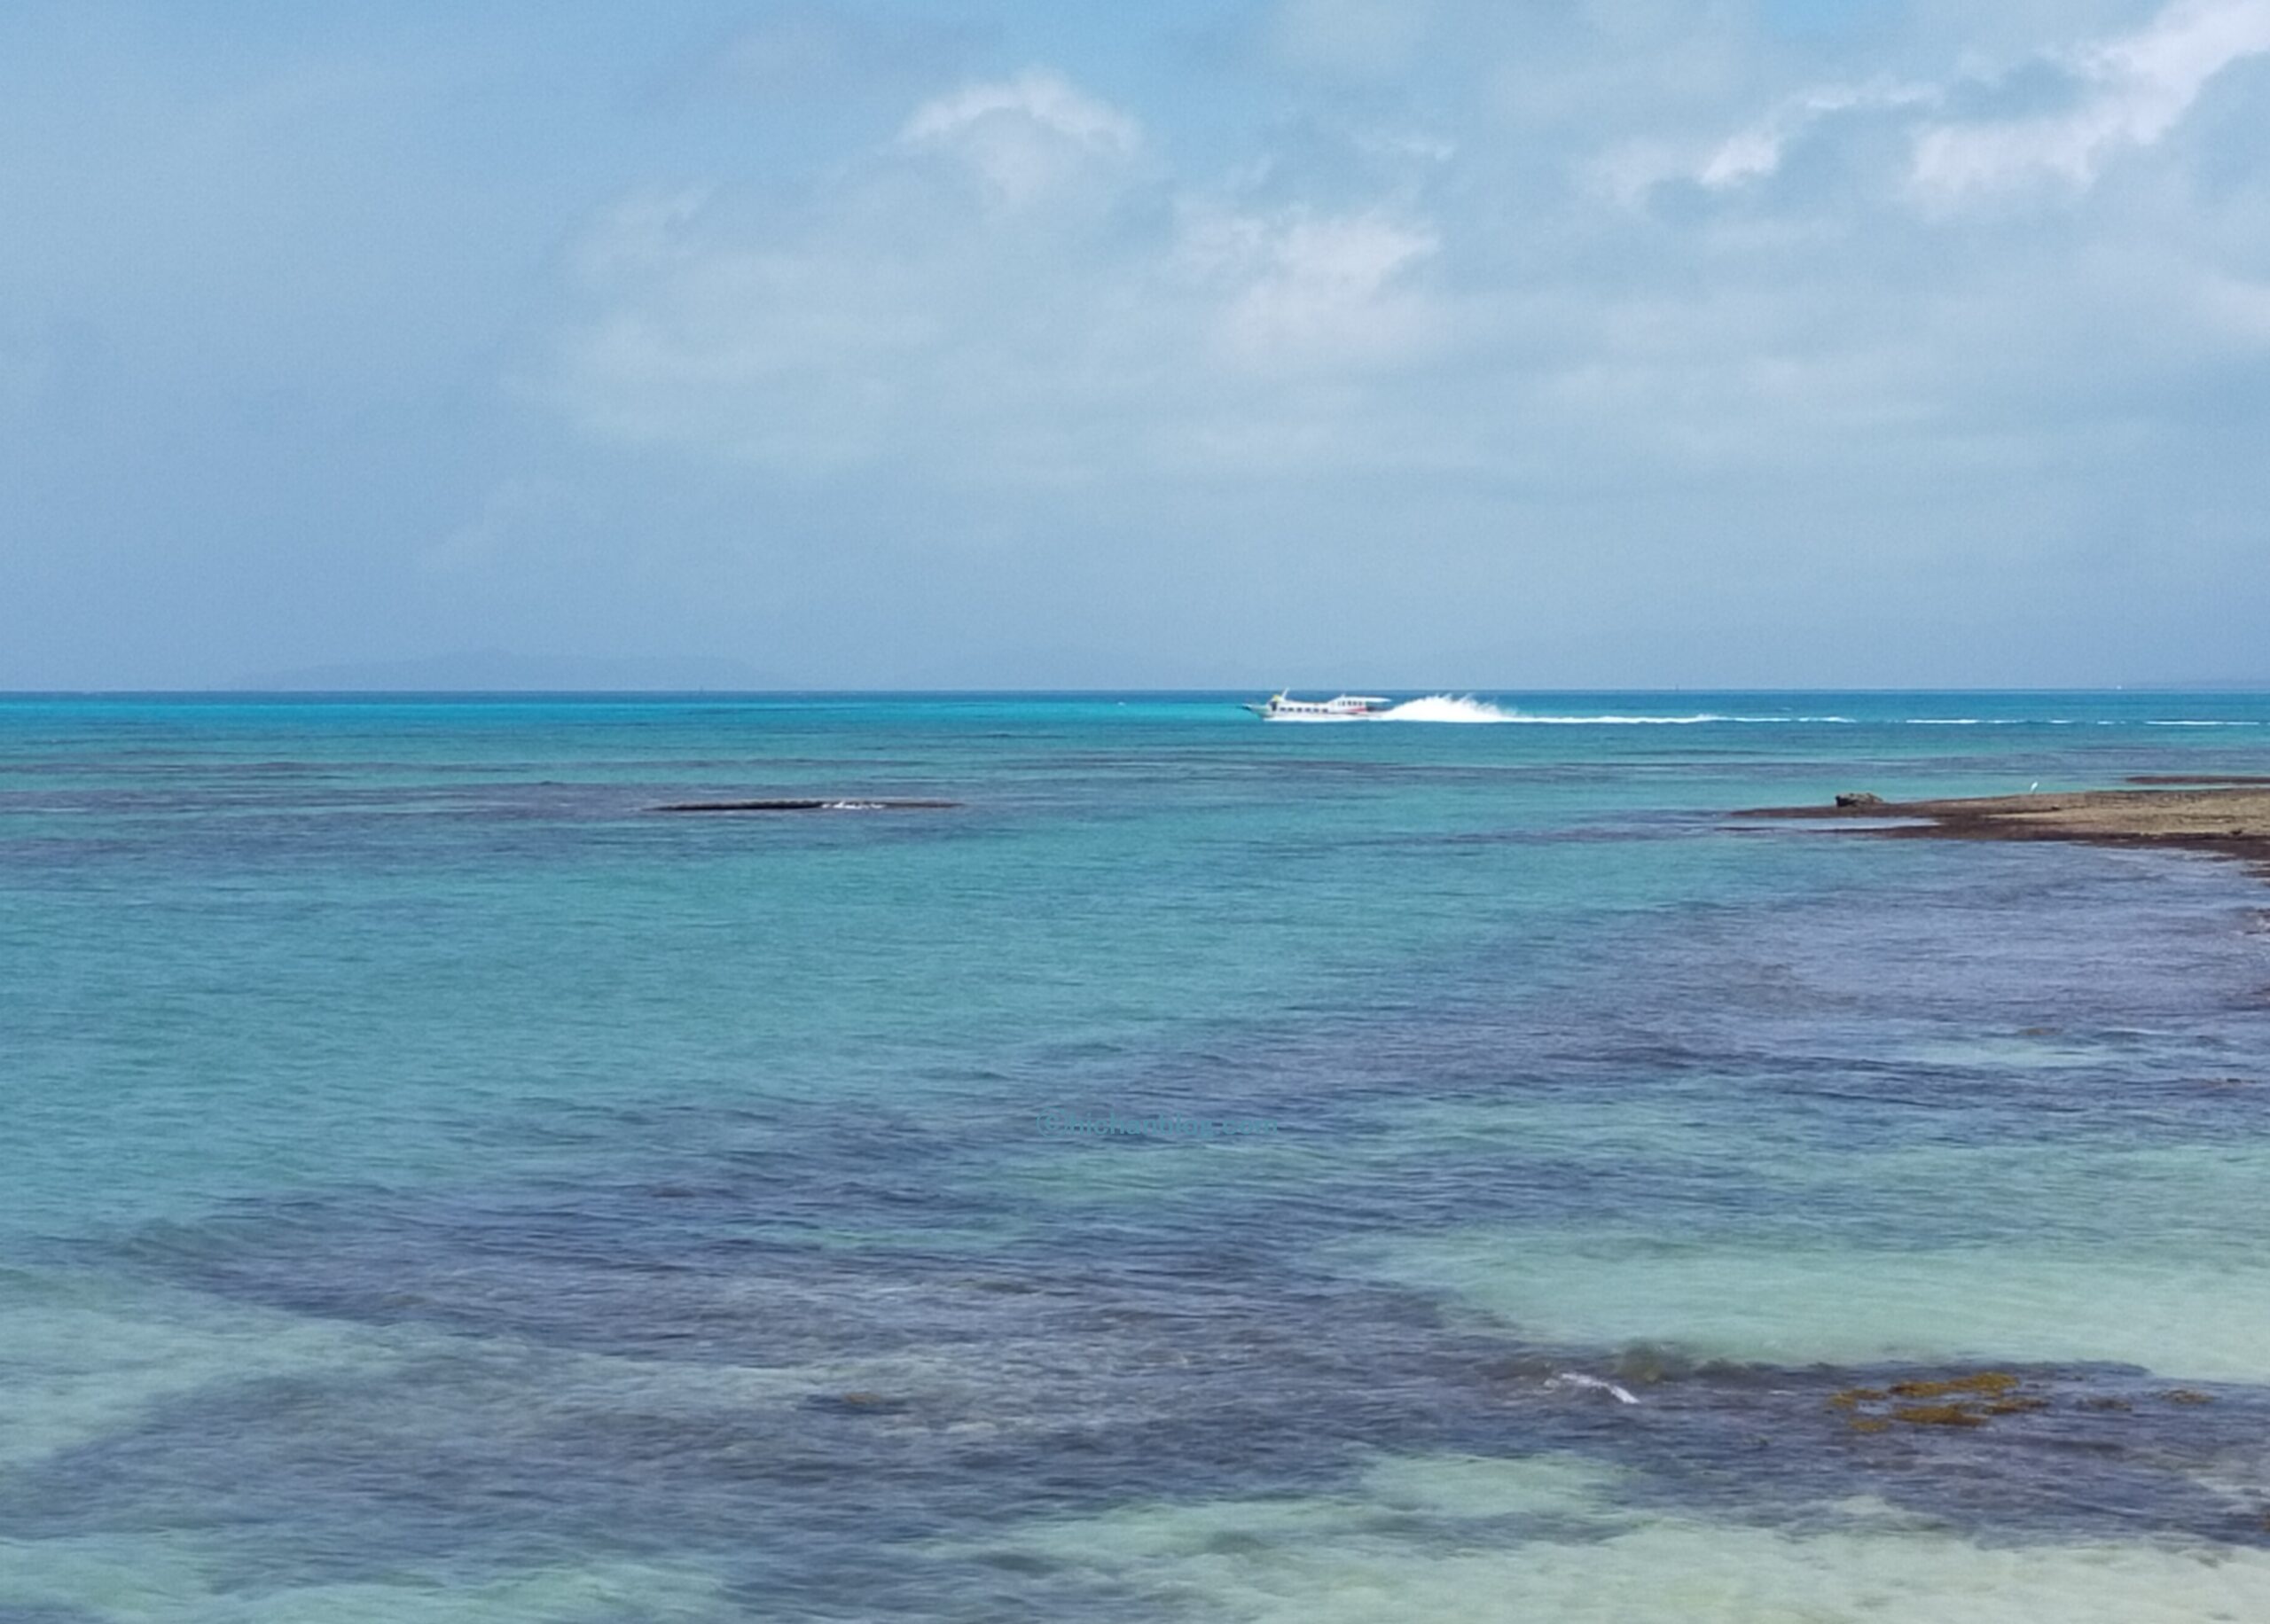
1971	1400
1974	1400
1991	1384
2230	817
1939	1415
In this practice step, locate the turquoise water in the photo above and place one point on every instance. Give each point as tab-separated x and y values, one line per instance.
441	1186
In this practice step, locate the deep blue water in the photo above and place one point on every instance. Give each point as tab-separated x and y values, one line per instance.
443	1186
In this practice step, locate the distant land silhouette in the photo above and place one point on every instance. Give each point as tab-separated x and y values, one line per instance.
491	671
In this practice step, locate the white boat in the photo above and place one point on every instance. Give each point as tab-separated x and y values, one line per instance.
1347	707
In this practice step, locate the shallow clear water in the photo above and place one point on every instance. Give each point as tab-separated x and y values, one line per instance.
441	1186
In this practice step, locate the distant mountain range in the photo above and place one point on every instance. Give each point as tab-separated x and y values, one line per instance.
489	671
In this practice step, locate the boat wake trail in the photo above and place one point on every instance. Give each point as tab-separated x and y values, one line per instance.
1445	708
1455	708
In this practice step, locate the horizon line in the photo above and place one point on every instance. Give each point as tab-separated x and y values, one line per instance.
1419	690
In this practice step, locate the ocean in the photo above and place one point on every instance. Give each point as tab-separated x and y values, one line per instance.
1440	1168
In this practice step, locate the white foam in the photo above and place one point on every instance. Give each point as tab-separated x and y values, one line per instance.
2064	721
1577	1378
1457	707
1466	708
1698	719
1445	708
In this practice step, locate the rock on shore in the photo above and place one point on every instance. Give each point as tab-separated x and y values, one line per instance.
2230	816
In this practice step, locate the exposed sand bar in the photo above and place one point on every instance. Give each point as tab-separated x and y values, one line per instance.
2230	816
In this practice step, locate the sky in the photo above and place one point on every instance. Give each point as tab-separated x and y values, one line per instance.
1372	343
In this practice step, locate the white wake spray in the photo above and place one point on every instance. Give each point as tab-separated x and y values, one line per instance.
1466	708
1445	708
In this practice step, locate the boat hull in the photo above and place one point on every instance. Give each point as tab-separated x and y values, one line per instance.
1347	707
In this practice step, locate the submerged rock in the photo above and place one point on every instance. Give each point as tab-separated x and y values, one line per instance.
1967	1400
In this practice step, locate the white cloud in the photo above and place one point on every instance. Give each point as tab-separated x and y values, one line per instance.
1630	173
1307	309
1038	97
1025	135
2135	88
1306	290
1400	145
929	307
648	228
889	321
1757	151
791	353
2236	305
2129	91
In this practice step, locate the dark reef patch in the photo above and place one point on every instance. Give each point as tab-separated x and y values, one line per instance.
828	1346
664	1366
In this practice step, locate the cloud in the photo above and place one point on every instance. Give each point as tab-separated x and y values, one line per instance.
2132	90
1758	152
1020	286
900	345
820	334
1098	313
1023	318
786	351
1631	172
1306	290
1025	136
2119	93
1038	97
2236	305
